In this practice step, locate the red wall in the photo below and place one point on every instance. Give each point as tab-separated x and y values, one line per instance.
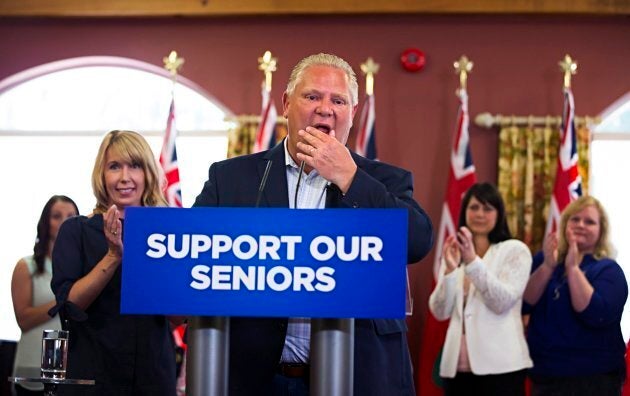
515	72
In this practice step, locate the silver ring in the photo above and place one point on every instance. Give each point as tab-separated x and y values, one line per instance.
114	232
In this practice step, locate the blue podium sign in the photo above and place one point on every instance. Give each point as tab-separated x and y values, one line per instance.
258	262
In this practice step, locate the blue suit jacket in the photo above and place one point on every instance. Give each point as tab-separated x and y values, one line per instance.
382	362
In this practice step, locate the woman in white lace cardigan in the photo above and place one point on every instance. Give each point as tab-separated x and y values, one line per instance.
480	286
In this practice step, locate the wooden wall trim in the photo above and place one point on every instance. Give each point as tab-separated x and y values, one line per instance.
163	8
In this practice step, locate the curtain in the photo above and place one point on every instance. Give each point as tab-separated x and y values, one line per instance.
526	173
241	138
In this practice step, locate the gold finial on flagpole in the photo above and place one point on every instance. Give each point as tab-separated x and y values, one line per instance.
267	64
173	63
463	66
369	68
569	67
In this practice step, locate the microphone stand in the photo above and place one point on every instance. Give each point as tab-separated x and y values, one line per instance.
263	182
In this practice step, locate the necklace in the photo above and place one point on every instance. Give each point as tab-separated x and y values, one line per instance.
556	290
563	281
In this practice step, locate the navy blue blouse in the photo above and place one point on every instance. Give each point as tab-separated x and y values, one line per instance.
125	354
563	342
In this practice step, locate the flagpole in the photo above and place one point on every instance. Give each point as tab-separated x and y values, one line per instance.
365	144
463	66
173	63
369	68
265	135
567	184
460	178
168	155
268	64
569	67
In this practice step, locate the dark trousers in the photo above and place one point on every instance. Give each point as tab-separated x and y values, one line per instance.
287	386
587	385
465	384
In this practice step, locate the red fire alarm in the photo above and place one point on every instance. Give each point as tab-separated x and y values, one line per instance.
412	59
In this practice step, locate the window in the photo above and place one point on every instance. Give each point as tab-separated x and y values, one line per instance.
52	119
610	161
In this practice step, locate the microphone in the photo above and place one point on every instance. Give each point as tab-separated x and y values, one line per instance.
297	186
263	182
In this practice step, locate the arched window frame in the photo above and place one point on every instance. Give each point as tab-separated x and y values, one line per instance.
28	205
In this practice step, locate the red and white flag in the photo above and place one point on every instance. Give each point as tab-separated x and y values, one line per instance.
173	193
266	134
366	138
168	161
460	178
568	184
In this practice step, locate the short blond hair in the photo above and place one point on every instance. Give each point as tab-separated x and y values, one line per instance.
602	247
132	147
322	59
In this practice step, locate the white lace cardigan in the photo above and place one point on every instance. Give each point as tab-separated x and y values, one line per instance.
492	317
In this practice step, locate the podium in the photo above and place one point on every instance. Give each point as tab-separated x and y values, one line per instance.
332	356
215	263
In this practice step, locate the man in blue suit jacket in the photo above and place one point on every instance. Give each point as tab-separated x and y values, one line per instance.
319	103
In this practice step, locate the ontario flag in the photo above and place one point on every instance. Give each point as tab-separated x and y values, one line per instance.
366	139
460	178
266	134
168	161
568	184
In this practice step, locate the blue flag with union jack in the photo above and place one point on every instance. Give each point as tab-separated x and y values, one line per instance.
568	183
168	161
460	178
266	134
366	137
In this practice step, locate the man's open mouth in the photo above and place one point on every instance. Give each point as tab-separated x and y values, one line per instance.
323	127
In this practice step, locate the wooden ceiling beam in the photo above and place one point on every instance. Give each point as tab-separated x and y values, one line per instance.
216	8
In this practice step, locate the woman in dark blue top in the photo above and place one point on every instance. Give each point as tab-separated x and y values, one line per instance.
576	295
124	354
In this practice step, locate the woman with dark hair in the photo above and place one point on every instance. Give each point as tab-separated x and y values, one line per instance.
481	279
575	298
31	293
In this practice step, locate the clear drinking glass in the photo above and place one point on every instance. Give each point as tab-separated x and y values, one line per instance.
54	354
